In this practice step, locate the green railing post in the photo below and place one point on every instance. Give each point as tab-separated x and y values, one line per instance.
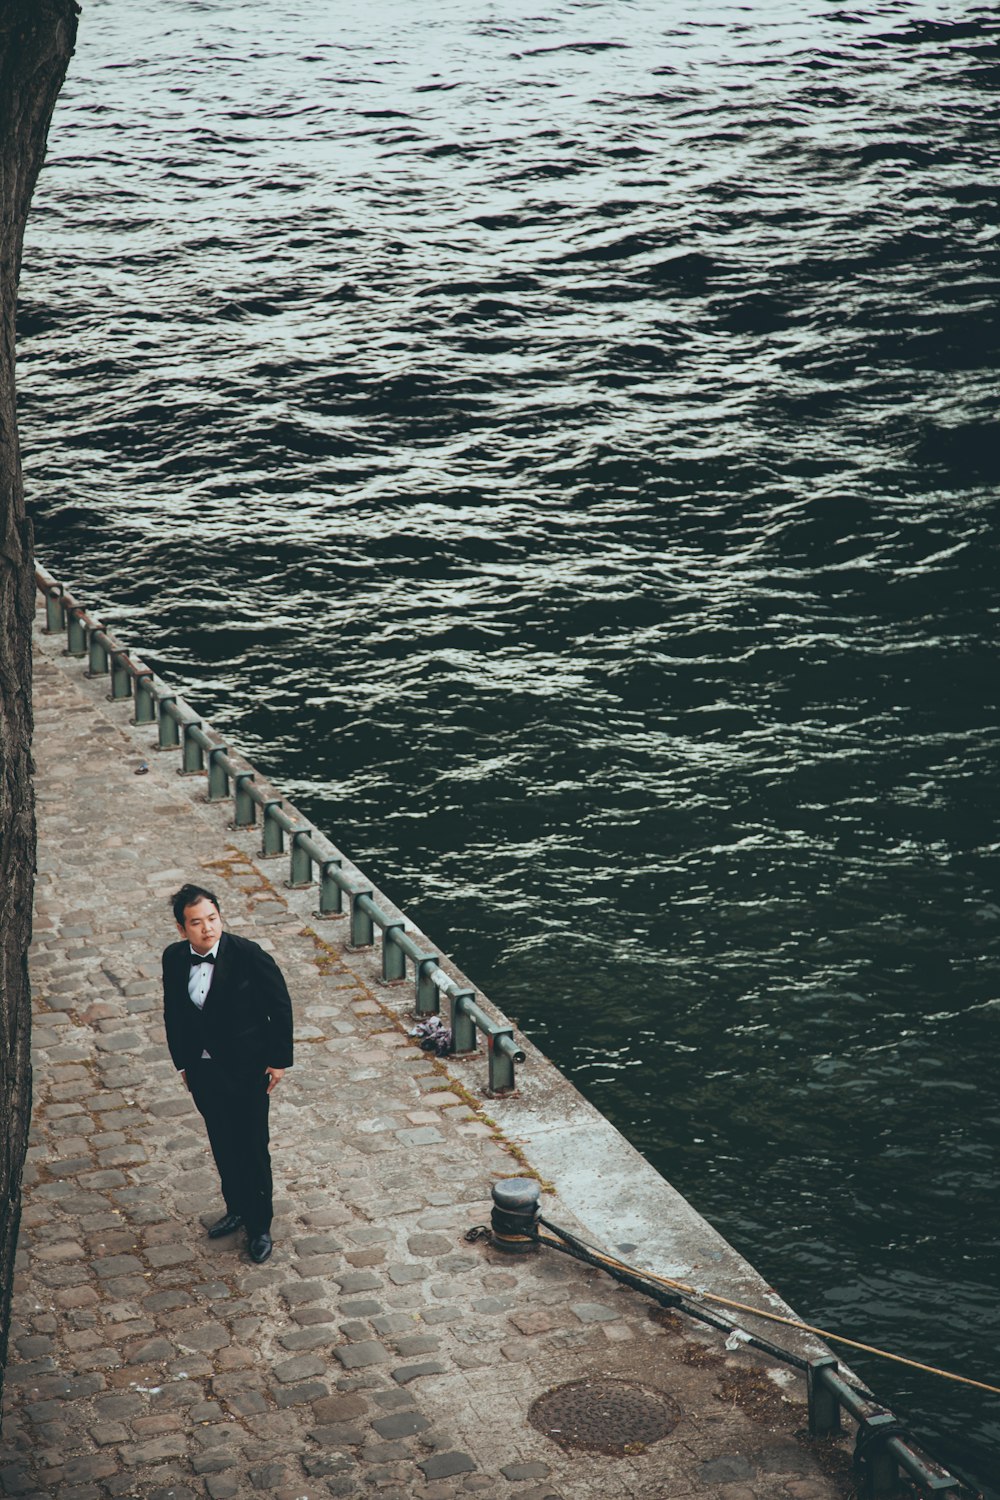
170	736
824	1408
501	1064
218	779
879	1474
362	926
272	834
98	664
121	677
331	897
393	957
300	870
54	612
145	701
244	807
76	633
463	1027
426	997
192	755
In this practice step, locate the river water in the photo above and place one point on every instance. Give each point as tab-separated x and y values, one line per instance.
559	443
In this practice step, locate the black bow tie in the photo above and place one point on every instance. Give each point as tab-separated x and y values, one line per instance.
202	958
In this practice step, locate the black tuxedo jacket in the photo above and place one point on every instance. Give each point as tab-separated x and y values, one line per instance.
246	1025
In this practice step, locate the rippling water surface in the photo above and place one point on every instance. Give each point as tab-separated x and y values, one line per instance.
562	448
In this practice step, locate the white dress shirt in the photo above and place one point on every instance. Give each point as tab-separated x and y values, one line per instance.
200	981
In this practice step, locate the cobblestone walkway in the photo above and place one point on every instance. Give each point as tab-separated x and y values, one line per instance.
378	1352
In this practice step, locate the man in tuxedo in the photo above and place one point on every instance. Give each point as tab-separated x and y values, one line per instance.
228	1018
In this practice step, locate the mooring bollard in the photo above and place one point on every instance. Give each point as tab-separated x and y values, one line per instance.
516	1206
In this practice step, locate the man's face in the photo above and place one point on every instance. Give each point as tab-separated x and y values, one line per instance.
202	925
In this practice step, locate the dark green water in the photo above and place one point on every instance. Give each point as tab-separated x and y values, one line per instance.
563	452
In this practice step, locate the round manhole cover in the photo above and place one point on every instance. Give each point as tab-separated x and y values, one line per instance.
611	1416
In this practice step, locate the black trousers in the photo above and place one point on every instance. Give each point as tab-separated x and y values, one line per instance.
235	1109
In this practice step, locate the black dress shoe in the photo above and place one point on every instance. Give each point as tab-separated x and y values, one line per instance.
227	1225
259	1247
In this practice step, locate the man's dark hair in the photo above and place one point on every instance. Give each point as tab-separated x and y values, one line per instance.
187	896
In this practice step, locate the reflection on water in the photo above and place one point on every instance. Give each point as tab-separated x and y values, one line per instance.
563	450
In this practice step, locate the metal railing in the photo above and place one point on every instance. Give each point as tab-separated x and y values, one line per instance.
204	752
883	1447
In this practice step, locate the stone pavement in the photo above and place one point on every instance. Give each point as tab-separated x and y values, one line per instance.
378	1352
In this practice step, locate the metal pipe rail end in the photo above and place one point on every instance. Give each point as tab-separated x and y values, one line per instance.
502	1051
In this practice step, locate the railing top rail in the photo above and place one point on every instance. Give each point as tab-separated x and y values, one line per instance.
203	748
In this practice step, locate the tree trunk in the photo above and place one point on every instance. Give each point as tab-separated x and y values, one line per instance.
36	42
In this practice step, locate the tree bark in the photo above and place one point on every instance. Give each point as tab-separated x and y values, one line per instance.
36	42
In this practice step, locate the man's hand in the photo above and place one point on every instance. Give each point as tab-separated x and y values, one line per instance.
274	1077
